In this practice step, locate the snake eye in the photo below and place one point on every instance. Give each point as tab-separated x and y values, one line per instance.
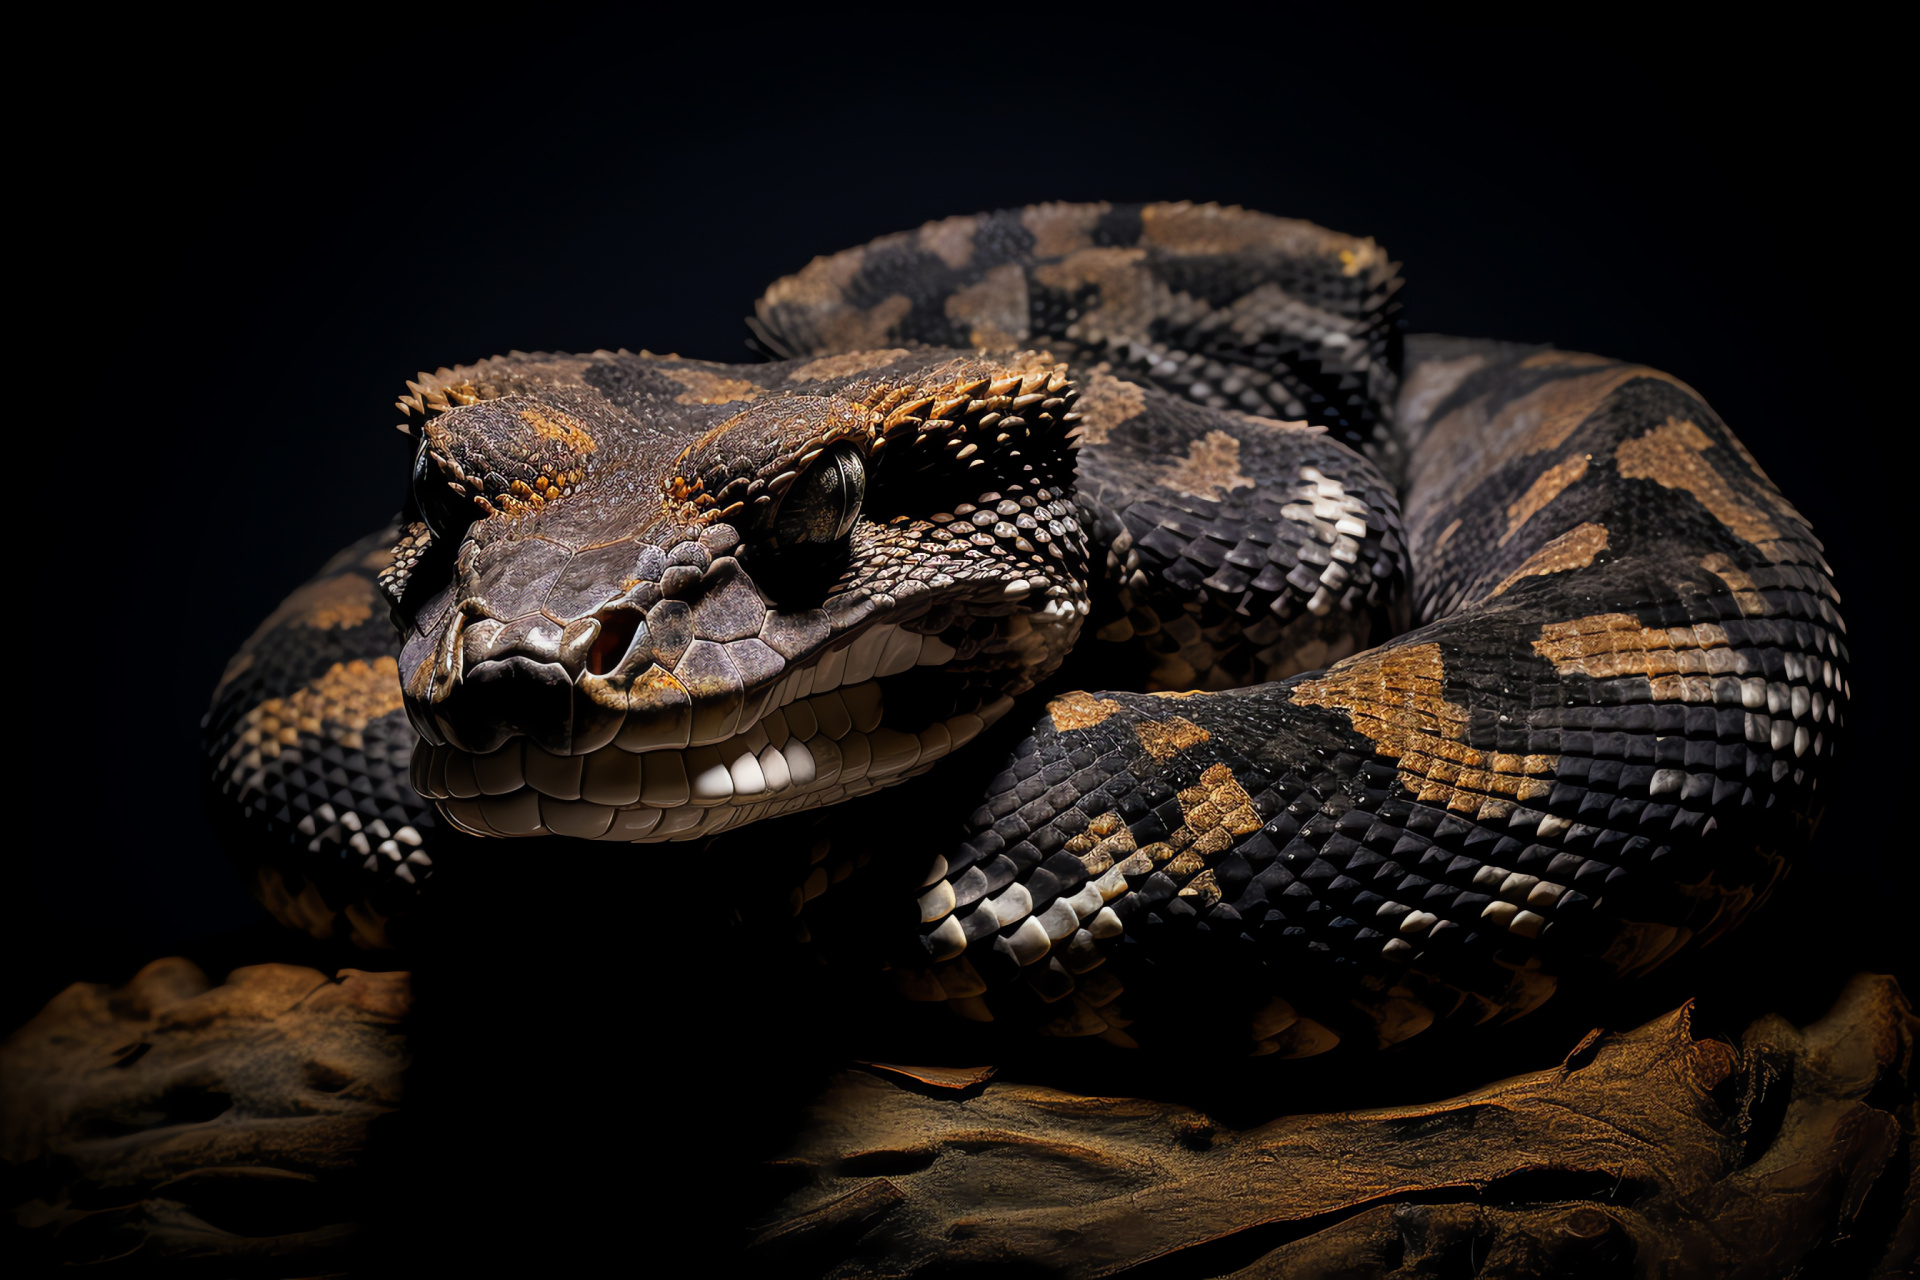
825	499
447	511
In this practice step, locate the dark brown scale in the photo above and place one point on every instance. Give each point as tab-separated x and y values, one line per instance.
308	749
1607	748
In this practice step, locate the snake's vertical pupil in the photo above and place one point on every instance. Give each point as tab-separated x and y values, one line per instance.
825	500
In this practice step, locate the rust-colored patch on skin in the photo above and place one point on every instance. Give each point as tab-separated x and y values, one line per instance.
1108	402
1550	414
950	239
1393	697
1746	593
1550	484
1574	549
1164	739
656	691
994	308
854	329
338	707
353	693
557	424
1564	360
1205	228
1678	661
1105	842
344	600
1215	812
1256	422
1060	229
881	409
511	456
840	366
1080	710
1101	265
1210	469
1446	535
1670	455
492	378
821	283
703	387
1471	445
1128	296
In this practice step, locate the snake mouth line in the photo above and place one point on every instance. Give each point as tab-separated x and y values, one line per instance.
824	737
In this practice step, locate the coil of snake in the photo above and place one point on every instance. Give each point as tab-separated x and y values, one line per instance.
1182	450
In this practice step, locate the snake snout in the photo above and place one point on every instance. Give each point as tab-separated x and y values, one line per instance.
502	698
496	681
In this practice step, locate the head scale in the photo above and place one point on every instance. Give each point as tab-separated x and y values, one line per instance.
649	599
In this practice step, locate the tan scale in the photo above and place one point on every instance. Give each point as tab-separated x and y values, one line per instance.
1080	710
555	424
1393	698
1539	421
338	707
703	387
1210	469
1060	229
1746	593
1106	840
1215	811
950	239
1106	403
1672	455
994	309
1164	739
1574	549
1549	485
1608	645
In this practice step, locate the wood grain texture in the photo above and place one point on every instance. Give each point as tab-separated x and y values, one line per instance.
1644	1153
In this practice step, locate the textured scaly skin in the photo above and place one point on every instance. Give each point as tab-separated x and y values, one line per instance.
1600	741
1603	745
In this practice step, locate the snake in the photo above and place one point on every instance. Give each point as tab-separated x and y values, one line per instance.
1340	680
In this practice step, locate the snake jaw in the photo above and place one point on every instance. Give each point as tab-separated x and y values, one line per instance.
724	658
859	716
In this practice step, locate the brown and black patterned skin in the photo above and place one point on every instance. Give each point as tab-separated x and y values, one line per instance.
1602	739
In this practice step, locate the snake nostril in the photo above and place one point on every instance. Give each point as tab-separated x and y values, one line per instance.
617	629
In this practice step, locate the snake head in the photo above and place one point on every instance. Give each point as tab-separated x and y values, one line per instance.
650	599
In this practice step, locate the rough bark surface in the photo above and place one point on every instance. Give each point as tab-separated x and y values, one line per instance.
172	1121
1646	1153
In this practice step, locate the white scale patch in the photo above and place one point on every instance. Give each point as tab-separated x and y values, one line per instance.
1338	519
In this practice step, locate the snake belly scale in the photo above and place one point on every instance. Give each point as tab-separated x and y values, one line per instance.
1448	664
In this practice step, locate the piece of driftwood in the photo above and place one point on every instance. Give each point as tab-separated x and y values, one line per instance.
1648	1153
171	1121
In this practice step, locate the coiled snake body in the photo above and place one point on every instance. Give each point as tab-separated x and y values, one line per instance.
649	599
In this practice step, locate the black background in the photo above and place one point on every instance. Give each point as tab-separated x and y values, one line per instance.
243	241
